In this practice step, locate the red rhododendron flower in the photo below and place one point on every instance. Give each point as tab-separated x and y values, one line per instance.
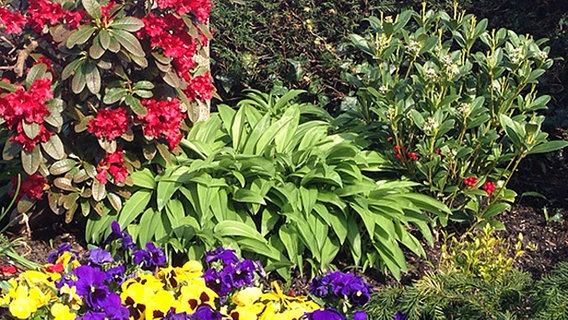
33	186
30	143
109	124
200	87
113	163
163	119
44	12
201	9
73	19
470	181
8	269
489	187
12	21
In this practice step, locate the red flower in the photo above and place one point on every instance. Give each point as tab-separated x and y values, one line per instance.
163	119
73	18
470	181
30	143
113	163
12	21
109	124
489	187
33	186
200	87
55	268
44	12
8	269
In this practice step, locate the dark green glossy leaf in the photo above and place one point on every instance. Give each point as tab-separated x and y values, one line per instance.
80	36
54	147
93	78
129	42
131	24
62	166
93	8
135	105
31	160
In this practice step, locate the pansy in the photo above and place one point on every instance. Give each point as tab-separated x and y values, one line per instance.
151	258
90	285
327	314
99	257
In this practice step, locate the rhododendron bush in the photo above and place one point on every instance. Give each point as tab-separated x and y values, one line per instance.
90	89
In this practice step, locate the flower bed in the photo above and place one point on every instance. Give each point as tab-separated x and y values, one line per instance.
133	283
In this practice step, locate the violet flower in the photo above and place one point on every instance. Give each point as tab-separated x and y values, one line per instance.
151	258
91	287
227	256
124	237
360	315
327	314
115	274
205	312
64	247
99	257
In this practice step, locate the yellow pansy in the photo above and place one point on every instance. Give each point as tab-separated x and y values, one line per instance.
71	297
61	312
22	306
159	304
249	312
192	296
65	260
247	296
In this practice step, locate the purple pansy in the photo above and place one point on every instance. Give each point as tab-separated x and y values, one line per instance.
205	312
338	285
99	257
151	258
115	274
124	237
360	315
227	256
90	286
327	314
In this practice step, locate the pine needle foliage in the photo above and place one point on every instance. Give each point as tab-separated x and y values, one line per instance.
550	295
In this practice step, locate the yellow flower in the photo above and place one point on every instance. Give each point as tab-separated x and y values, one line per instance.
65	260
193	295
72	299
249	312
159	304
247	296
21	306
61	312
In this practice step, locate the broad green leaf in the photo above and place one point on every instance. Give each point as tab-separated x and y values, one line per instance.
79	80
238	229
131	24
354	240
129	42
114	95
495	209
115	200
38	71
64	184
99	190
135	105
80	36
104	39
549	146
148	224
134	206
93	8
31	130
71	68
62	166
54	147
93	78
246	195
4	85
144	178
96	50
238	127
31	160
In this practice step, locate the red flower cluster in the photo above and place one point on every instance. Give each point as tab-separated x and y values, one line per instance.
489	187
400	150
33	186
112	163
109	124
44	12
12	21
28	106
8	270
199	8
163	119
200	87
169	33
470	181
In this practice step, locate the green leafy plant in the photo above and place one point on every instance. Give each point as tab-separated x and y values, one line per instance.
550	295
482	255
270	180
456	102
104	90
